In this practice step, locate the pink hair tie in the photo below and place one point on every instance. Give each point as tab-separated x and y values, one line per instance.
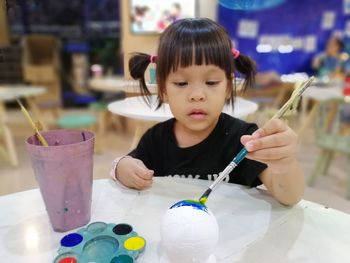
235	53
153	59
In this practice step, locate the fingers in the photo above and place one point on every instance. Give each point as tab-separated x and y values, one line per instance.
273	154
274	134
144	173
271	127
276	140
245	139
140	183
143	177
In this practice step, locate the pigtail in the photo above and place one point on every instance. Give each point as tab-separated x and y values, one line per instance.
138	64
247	67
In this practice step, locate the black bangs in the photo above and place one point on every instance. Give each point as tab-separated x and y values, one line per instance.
194	42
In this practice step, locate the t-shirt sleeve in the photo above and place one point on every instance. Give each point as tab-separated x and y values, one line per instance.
248	171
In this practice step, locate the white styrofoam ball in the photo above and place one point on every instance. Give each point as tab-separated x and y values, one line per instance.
189	232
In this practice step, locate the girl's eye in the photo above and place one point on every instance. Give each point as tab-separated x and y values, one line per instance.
180	84
212	83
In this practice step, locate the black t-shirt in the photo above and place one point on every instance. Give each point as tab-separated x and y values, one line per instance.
159	151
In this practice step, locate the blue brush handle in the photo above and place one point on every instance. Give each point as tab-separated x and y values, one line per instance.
240	156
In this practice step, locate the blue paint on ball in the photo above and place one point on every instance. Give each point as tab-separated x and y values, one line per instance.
191	203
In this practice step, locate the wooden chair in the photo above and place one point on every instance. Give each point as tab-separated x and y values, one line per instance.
332	128
41	66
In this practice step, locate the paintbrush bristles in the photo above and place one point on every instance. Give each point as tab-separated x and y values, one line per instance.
37	133
204	196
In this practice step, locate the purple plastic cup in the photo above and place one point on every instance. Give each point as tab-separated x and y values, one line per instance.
64	172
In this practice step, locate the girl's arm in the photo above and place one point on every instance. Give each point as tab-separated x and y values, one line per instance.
276	145
286	185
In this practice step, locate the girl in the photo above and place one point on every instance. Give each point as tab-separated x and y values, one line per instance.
195	66
330	63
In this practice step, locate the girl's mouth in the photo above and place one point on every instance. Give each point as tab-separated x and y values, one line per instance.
197	114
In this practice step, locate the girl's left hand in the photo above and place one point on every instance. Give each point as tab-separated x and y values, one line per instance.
274	144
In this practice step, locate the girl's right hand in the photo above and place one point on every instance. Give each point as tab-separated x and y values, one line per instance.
133	173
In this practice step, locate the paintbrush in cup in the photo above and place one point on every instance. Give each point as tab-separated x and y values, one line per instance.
34	126
241	155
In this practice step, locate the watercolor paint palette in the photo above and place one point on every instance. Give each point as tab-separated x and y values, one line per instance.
100	242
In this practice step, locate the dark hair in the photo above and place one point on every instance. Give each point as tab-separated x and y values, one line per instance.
192	41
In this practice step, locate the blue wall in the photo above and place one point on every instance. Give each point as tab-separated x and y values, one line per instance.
293	17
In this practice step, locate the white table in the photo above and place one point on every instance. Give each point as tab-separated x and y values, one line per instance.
118	83
11	93
253	227
136	108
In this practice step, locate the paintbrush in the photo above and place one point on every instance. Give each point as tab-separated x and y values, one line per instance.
242	153
34	126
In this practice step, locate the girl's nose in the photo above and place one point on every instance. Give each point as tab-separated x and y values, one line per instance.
197	95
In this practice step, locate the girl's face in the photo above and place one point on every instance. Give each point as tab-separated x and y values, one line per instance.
333	47
196	96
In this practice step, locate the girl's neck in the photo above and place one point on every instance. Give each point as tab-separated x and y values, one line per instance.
187	138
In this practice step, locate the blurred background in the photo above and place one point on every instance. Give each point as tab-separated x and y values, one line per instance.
67	61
